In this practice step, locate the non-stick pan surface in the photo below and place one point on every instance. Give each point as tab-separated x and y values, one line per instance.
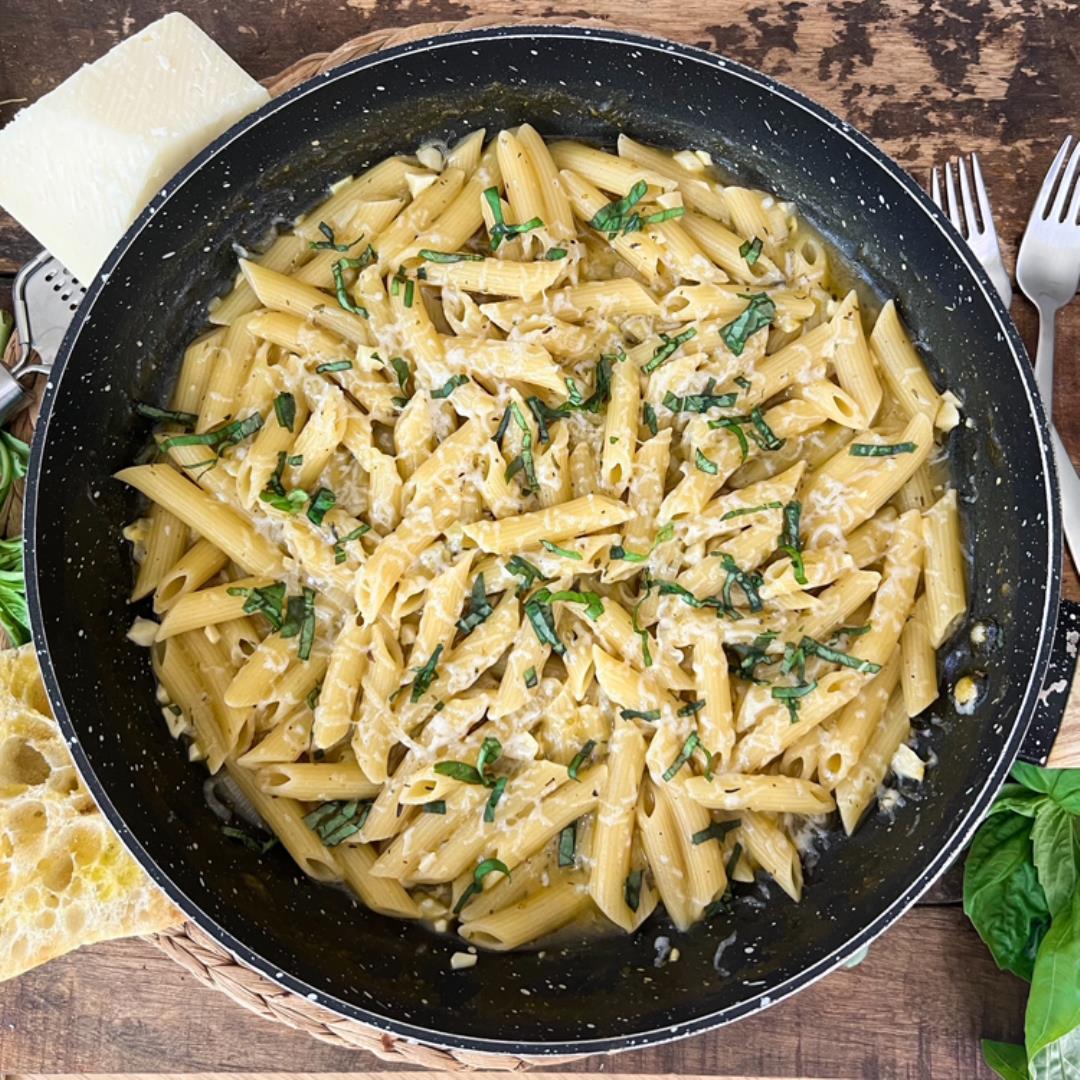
127	344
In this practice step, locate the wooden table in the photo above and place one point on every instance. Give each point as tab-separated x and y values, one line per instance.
924	81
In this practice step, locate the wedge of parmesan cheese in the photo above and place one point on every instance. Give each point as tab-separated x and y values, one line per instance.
81	162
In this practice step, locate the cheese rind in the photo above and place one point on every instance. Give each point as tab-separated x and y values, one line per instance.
89	155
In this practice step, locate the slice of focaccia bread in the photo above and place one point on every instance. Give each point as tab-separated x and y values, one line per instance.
65	878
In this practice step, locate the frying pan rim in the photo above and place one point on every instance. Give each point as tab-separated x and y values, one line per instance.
767	996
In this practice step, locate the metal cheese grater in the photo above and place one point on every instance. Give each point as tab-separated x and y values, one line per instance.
46	296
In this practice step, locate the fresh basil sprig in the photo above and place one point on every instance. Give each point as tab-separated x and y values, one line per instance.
1022	893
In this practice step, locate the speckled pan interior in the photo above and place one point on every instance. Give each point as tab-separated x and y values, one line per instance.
127	344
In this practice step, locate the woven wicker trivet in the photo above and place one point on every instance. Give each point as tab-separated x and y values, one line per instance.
192	949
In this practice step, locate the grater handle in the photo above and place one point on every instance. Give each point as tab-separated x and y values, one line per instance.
12	395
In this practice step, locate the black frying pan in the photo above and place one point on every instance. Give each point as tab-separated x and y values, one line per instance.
152	298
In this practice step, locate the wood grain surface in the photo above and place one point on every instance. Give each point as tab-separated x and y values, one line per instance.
925	80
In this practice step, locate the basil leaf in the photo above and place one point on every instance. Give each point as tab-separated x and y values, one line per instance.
525	570
881	449
1058	1060
716	831
1055	838
488	866
580	758
632	890
1062	785
479	608
341	292
329	244
496	795
425	675
336	365
1008	1060
461	771
322	502
285	410
665	351
1018	799
649	414
1002	894
566	553
640	714
436	806
336	821
757	315
555	254
612	217
1053	1008
152	412
449	256
751	250
449	386
568	844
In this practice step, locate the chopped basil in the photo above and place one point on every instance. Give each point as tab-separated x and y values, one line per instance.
267	600
834	656
594	602
341	292
449	256
790	696
542	619
692	708
734	425
731	864
664	215
425	675
410	287
646	655
323	500
490	751
649	414
554	254
524	460
612	218
501	229
436	806
329	244
530	678
221	437
640	714
401	370
337	365
544	415
566	553
568	844
579	759
743	510
459	770
260	847
285	410
289	503
852	631
340	554
757	315
496	795
397	281
791	541
296	460
601	394
500	431
479	607
699	403
673	588
667	349
764	435
716	831
488	866
881	449
525	570
748	582
703	464
685	754
152	412
750	656
751	250
632	889
313	697
450	386
336	821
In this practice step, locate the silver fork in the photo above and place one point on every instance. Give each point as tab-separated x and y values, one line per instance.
1048	266
973	219
989	254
